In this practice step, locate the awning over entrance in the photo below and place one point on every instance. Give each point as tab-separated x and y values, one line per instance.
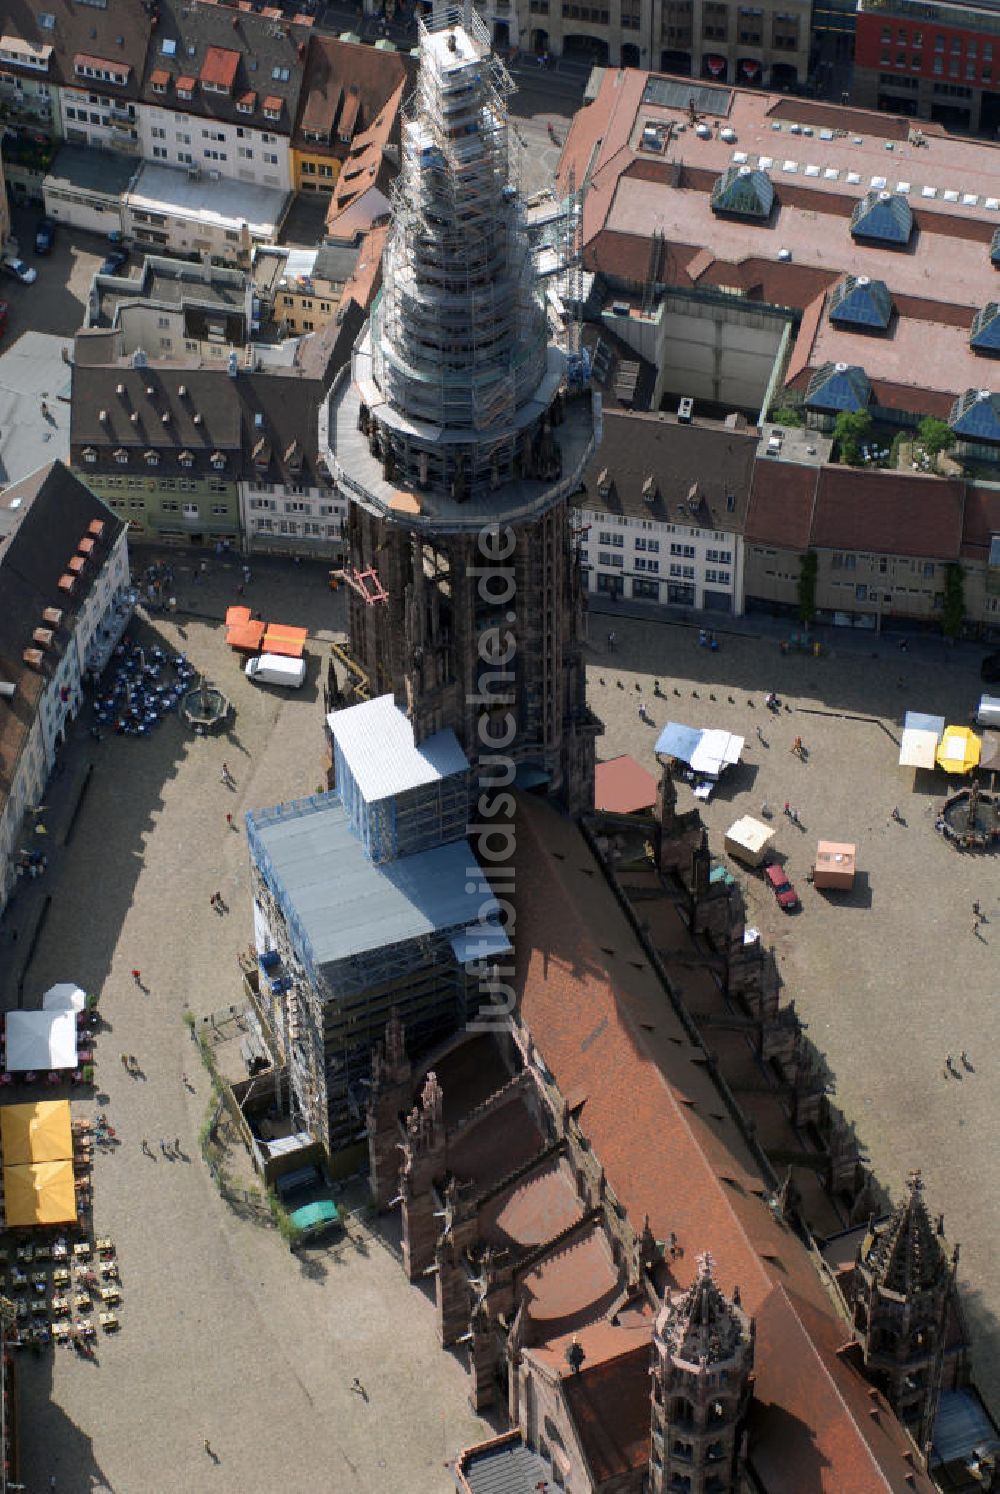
959	750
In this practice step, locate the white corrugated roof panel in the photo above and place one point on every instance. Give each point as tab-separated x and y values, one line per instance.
377	742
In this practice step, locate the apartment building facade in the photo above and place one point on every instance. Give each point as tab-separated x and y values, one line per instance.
930	60
65	598
661	515
766	43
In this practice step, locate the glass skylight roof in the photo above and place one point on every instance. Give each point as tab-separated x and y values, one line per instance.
839	386
883	217
743	192
976	415
860	302
985	334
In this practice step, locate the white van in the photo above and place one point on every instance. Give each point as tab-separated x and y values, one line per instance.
988	713
275	669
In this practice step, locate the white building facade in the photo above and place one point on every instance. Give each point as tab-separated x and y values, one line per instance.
286	518
214	147
650	560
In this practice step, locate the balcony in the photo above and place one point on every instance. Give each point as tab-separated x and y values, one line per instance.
125	141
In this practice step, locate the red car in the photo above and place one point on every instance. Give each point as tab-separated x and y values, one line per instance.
788	898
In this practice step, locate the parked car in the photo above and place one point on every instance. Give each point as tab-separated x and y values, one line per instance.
788	898
114	262
989	670
45	236
20	270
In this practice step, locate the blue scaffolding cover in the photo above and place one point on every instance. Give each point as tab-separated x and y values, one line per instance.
480	941
343	904
678	741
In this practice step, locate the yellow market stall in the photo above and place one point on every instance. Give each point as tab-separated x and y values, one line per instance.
35	1133
39	1193
958	751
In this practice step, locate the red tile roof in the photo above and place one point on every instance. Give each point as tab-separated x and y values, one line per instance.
159	78
118	70
573	1284
220	67
982	520
609	1404
781	505
186	84
891	513
248	100
650	1121
272	104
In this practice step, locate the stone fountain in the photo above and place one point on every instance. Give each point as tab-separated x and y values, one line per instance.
970	819
205	708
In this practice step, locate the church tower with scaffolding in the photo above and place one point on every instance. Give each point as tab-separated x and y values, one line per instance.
458	434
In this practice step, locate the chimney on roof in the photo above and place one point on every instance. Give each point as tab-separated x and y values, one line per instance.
102	416
196	417
120	390
7	689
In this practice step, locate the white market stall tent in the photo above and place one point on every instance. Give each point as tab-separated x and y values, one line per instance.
921	735
64	997
41	1040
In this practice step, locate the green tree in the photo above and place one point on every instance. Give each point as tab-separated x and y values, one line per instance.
807	587
850	430
953	611
935	435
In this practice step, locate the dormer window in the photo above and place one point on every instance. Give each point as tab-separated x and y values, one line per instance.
159	80
121	456
186	459
185	87
89	454
272	107
246	103
152	459
218	460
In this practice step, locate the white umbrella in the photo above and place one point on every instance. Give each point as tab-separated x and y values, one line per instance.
64	997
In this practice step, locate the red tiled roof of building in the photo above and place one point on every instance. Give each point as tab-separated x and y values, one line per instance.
536	1209
781	505
889	513
801	357
573	1284
650	1121
104	65
981	520
609	1403
623	786
220	68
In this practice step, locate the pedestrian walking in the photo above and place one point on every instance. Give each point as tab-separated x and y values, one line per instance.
976	909
133	1063
177	1145
966	1061
208	1448
124	1060
797	746
145	1147
229	822
137	977
163	1147
788	809
357	1386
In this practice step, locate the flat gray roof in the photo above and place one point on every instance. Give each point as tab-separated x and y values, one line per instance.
91	170
33	370
344	904
223	204
377	742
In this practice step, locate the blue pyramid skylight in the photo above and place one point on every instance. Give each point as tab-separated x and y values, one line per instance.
743	192
995	248
839	386
857	301
883	218
976	416
985	334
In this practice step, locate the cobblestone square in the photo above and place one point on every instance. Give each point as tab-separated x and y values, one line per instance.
889	979
224	1335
